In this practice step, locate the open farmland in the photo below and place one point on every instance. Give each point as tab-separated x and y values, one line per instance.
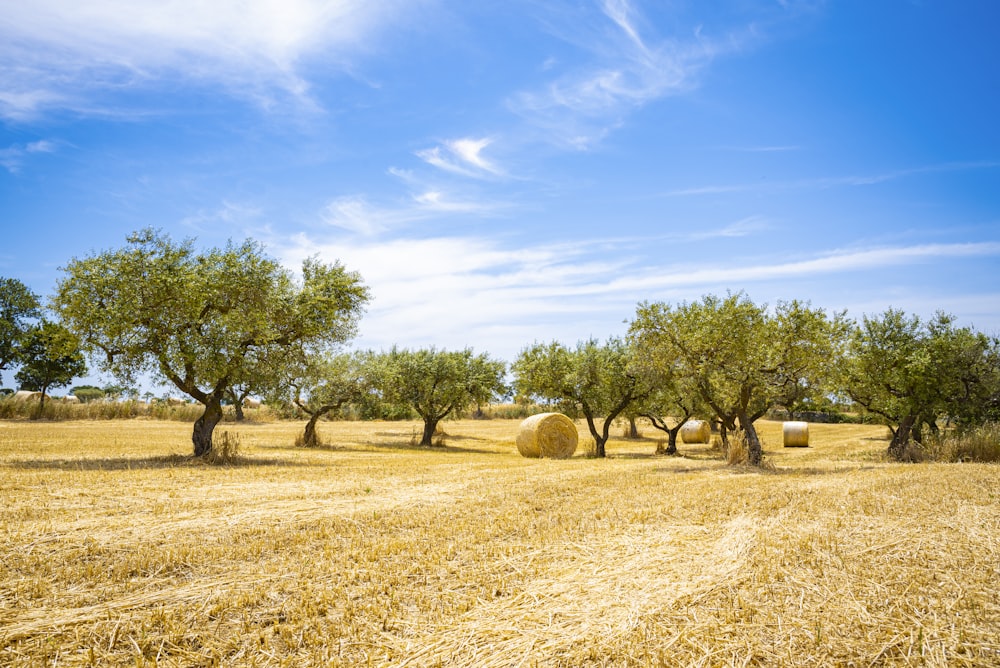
118	549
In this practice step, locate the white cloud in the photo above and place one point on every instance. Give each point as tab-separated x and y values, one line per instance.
228	213
58	54
354	213
629	71
12	158
462	156
460	291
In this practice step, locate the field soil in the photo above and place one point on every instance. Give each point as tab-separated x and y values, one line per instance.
118	548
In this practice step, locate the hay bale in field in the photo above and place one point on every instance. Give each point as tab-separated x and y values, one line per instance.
547	435
175	401
696	431
71	399
795	434
26	395
252	403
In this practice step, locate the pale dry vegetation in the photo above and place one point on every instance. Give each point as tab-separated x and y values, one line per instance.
118	549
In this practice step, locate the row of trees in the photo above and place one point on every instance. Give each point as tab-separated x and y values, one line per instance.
231	322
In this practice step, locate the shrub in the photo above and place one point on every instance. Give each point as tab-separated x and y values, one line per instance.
978	444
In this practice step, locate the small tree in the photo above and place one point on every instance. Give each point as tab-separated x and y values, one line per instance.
50	358
436	383
202	321
599	378
87	393
18	307
326	384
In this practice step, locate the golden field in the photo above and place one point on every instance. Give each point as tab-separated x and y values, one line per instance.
119	549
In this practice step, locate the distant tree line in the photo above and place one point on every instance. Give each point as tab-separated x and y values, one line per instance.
224	324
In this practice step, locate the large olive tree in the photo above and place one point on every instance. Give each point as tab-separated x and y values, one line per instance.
202	320
742	358
435	383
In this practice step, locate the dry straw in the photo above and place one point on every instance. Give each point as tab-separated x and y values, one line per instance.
547	435
696	431
795	434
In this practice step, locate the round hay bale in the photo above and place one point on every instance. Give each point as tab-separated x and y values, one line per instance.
547	435
795	434
696	431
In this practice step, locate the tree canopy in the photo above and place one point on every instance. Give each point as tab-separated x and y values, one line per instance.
742	358
436	383
202	320
598	378
19	306
50	357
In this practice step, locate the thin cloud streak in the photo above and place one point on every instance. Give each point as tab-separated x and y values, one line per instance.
834	181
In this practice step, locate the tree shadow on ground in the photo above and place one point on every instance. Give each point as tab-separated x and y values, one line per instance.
144	463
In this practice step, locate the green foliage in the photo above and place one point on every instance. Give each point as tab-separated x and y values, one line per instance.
87	393
738	357
435	383
50	357
202	321
600	379
18	306
910	374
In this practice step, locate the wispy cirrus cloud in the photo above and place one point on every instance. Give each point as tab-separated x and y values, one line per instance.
12	158
629	70
834	181
357	215
462	156
58	55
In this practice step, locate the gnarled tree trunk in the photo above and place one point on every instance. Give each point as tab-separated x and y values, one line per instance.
901	438
205	425
755	453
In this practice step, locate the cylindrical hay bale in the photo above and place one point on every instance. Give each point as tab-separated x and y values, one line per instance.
547	435
696	431
795	434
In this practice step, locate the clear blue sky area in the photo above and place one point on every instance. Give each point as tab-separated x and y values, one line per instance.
506	172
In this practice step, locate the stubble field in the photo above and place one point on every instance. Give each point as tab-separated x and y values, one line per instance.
118	549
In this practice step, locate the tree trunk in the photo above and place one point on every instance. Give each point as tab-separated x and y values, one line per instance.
205	425
238	405
633	428
901	438
672	439
309	437
430	426
754	451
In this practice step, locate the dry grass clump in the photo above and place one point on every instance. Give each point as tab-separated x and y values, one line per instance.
117	551
980	444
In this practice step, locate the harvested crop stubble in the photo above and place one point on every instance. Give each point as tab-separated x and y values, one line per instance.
696	431
795	434
547	435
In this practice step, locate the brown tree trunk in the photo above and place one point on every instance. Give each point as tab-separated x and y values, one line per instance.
430	426
755	454
901	438
309	437
633	428
205	425
238	405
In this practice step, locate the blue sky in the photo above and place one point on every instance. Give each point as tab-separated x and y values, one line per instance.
506	172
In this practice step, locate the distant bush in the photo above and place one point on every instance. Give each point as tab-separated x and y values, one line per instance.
979	444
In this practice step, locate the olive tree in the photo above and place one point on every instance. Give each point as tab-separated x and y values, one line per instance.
19	306
202	320
740	357
909	373
50	357
322	384
436	383
600	379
